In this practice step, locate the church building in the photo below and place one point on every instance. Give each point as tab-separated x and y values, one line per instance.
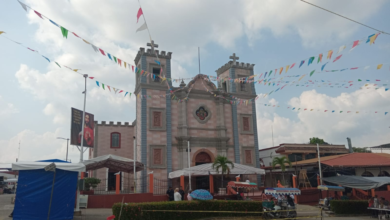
164	127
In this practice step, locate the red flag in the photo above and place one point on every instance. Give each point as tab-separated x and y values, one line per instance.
108	88
91	77
355	43
132	67
139	13
75	34
39	14
355	68
292	65
337	58
120	91
30	49
101	51
325	110
120	62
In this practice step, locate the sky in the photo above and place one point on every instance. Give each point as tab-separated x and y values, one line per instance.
36	96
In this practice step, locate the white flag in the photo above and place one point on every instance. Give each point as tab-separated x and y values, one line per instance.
94	48
143	27
365	68
341	48
23	5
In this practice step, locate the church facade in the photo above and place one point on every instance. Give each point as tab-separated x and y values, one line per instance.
163	129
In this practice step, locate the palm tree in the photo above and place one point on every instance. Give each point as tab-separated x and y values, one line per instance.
222	162
281	161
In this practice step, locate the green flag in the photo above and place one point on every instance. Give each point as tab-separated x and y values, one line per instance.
103	86
64	32
115	59
312	72
58	64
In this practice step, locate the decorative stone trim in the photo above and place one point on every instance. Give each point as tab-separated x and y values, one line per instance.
244	161
163	155
163	117
111	123
202	105
242	124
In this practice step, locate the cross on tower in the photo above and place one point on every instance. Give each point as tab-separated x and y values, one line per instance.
234	58
152	45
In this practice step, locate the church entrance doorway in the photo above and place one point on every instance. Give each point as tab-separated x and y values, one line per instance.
111	181
202	182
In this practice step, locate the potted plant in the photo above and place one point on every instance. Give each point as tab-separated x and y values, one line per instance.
89	183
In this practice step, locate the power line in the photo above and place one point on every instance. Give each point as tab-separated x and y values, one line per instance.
345	17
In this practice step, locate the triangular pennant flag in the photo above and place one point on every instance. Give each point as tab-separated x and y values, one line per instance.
281	70
341	48
323	66
103	86
39	14
355	43
86	42
120	62
369	38
287	67
132	67
54	23
75	34
46	58
94	48
64	32
158	62
269	74
386	113
120	91
330	52
58	64
101	51
109	56
319	58
115	90
310	60
341	111
265	74
337	58
115	59
143	27
302	62
365	68
379	66
139	13
312	72
124	64
23	6
109	88
2	32
76	70
292	65
373	38
91	77
97	83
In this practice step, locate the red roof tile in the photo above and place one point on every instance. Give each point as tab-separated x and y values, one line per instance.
359	160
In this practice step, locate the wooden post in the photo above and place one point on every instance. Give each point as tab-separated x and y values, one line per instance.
182	181
82	175
295	186
118	183
211	184
151	186
237	179
318	180
388	187
354	192
373	192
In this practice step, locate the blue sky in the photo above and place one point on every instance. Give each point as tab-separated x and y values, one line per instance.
37	96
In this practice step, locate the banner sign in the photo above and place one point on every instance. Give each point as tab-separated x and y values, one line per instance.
76	128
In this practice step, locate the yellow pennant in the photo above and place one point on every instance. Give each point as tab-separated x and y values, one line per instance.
76	70
373	38
287	67
125	64
2	32
379	66
86	41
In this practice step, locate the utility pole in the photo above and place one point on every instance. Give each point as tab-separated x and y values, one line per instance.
189	164
319	163
134	164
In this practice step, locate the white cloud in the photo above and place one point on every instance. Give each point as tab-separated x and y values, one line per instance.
6	109
365	129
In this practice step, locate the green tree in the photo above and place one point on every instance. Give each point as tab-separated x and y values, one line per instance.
222	163
281	161
316	140
91	182
360	150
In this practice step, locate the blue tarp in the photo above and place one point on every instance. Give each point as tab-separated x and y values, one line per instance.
34	190
53	160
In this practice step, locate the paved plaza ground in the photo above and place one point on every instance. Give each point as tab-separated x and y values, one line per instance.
91	214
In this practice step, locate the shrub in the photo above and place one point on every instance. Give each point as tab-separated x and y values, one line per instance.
349	206
91	182
138	211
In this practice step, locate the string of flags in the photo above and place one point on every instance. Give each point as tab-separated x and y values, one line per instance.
103	85
301	109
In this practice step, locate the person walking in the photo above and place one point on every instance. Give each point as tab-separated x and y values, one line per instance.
170	193
189	197
177	195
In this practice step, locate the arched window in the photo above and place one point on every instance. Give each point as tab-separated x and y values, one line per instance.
368	174
115	140
383	173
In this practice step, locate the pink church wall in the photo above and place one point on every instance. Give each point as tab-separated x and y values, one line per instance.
175	120
194	104
228	122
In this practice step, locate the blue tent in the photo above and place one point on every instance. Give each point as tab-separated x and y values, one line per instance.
35	186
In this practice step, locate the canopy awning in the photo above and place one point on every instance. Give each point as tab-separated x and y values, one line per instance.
331	188
282	191
242	185
77	167
207	169
114	162
358	182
